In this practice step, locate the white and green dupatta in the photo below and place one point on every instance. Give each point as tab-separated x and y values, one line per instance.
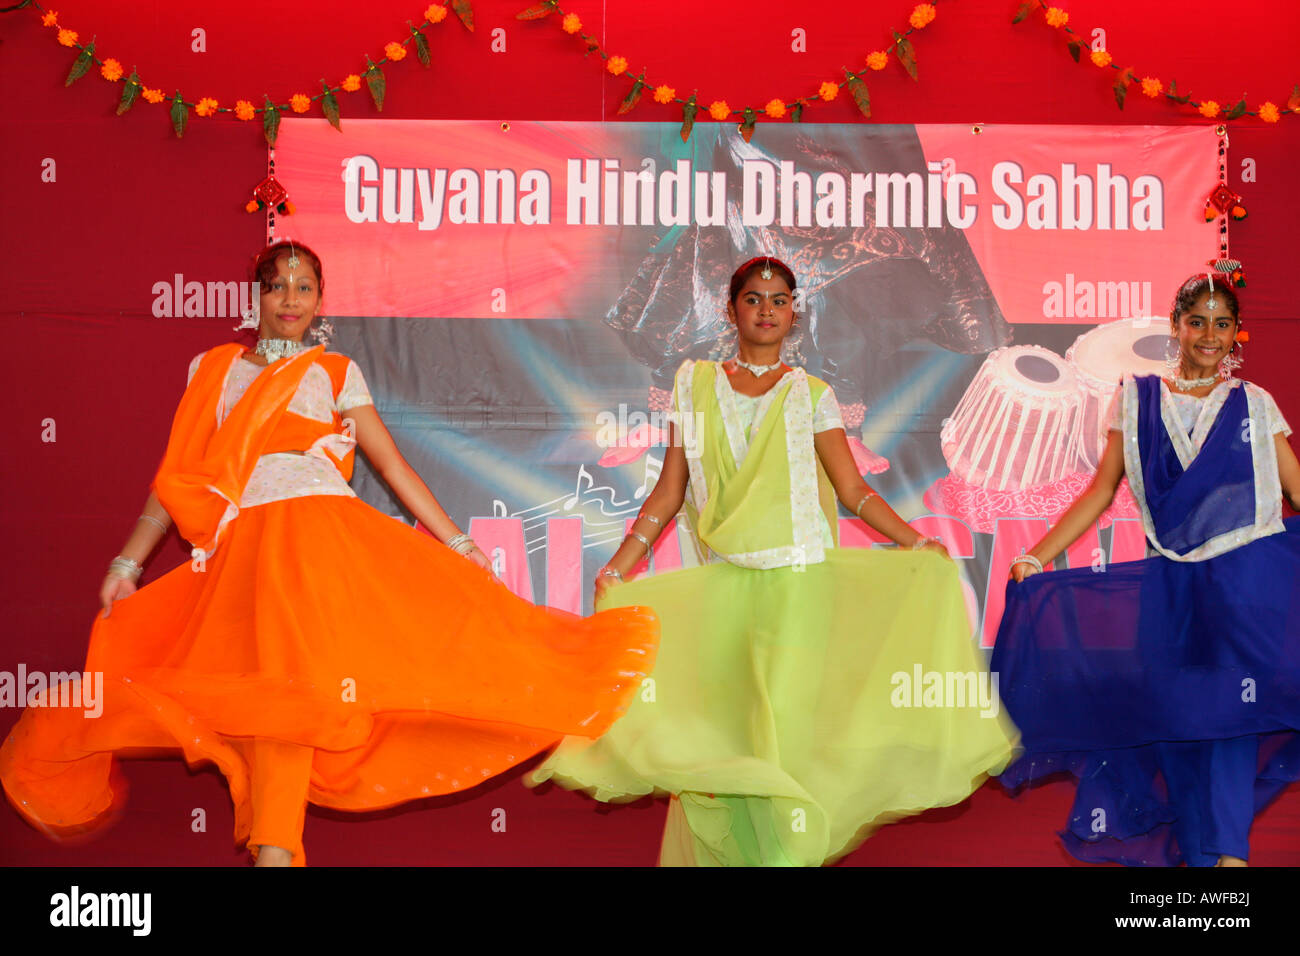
753	500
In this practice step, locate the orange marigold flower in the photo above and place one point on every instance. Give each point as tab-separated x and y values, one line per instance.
571	23
111	70
665	94
394	51
251	206
1268	112
922	16
244	110
51	18
206	106
351	83
878	60
1209	109
1056	17
300	103
775	108
1099	58
1151	86
1243	336
152	95
436	13
828	90
68	37
616	65
719	109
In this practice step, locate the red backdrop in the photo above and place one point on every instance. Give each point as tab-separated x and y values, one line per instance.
130	205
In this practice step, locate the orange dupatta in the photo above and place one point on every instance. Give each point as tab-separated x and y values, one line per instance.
207	463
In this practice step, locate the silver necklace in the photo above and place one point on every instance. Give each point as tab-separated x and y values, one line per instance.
1186	384
758	371
276	349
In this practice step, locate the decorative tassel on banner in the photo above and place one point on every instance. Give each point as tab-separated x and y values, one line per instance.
1224	202
270	192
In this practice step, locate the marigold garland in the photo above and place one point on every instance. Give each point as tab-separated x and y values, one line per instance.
922	15
112	70
1153	87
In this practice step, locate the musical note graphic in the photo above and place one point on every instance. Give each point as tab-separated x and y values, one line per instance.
653	467
577	489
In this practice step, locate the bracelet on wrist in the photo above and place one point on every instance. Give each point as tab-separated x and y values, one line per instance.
1030	560
461	543
640	537
124	567
865	498
150	518
608	572
920	543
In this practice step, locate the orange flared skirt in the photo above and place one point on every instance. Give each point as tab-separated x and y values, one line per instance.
321	622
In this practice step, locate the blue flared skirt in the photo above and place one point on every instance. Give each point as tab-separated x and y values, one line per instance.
1170	690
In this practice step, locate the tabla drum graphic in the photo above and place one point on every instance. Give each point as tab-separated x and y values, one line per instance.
1017	425
1100	358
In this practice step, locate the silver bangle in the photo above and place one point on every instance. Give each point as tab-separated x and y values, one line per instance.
651	518
865	498
920	543
162	527
124	567
456	543
1030	560
640	537
609	572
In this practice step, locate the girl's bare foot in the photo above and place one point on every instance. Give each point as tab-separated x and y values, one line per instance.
1231	861
273	856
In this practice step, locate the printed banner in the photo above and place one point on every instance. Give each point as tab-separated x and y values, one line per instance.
520	295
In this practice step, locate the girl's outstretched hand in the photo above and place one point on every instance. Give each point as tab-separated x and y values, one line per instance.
604	582
937	547
481	559
113	589
1022	570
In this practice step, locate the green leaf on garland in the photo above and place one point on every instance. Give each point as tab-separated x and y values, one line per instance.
1238	109
633	95
81	64
537	12
330	106
1174	95
421	47
180	114
375	81
1294	102
465	12
1121	85
1075	49
796	112
689	109
1025	9
270	122
906	53
130	92
747	127
860	95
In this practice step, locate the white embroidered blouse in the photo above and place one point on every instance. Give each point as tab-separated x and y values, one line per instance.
283	475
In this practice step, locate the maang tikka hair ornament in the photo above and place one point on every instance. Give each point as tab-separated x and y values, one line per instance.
767	268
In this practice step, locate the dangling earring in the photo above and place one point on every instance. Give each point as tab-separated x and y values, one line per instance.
1173	355
1231	362
322	331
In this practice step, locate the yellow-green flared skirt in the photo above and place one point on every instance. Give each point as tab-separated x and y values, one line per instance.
791	712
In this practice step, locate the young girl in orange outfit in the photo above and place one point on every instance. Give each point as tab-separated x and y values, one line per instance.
314	649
